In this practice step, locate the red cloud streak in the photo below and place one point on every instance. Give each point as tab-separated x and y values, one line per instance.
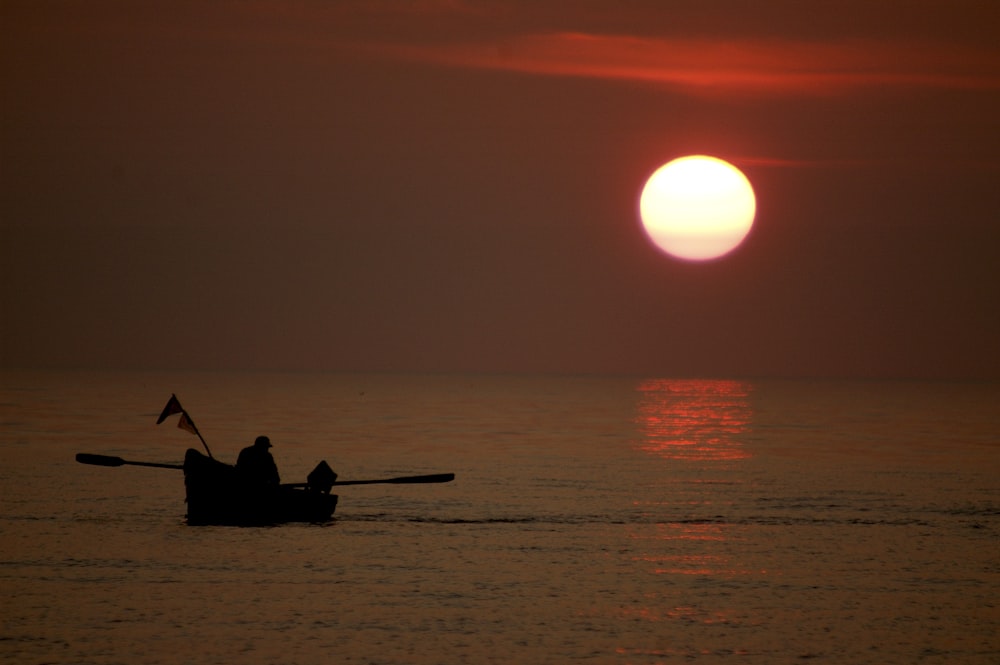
725	65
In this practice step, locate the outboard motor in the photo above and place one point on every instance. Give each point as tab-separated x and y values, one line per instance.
321	478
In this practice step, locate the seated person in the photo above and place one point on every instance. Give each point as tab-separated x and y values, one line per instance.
256	464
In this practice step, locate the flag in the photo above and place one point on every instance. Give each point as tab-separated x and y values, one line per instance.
173	406
186	424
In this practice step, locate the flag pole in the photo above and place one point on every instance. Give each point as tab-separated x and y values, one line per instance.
202	440
186	422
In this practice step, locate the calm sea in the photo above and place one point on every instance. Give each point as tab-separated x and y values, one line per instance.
592	519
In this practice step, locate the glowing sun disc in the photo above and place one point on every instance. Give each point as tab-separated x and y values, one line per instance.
697	207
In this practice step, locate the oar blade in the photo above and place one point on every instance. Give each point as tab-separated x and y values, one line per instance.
99	460
432	478
405	480
108	460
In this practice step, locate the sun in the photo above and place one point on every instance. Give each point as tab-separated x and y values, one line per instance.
697	207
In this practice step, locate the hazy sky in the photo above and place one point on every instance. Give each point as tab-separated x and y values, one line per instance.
453	186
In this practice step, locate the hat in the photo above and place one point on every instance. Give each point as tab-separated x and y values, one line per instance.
262	441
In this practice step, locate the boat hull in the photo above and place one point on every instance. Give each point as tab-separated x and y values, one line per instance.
218	494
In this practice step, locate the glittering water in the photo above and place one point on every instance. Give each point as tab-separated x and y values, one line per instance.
600	520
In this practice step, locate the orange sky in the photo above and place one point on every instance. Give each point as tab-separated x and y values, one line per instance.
453	186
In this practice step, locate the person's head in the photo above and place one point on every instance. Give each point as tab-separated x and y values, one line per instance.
262	442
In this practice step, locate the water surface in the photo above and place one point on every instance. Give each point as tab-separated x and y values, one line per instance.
592	519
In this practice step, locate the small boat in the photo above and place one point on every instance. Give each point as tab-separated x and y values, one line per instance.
218	494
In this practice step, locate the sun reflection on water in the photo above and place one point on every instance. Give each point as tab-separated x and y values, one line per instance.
686	539
701	423
696	420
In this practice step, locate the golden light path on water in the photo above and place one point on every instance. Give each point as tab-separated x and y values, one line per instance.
696	427
694	419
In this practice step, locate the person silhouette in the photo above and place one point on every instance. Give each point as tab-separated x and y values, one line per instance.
256	464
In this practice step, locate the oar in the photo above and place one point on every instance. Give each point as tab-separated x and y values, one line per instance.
107	460
404	480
